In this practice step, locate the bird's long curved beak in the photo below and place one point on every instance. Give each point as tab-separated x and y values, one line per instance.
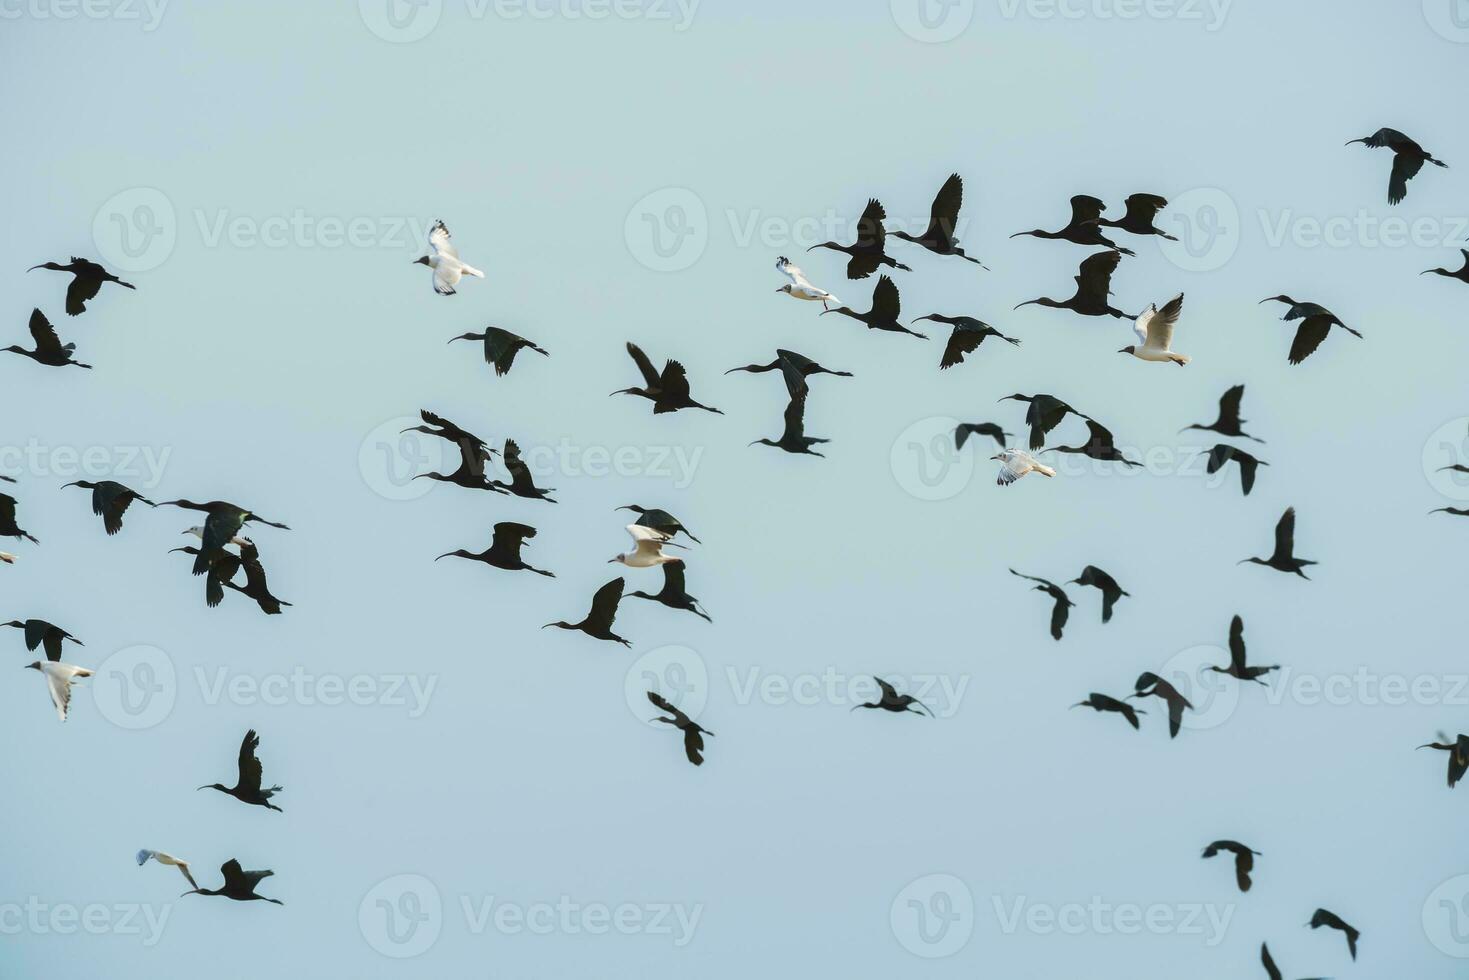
191	891
72	484
205	786
1268	299
928	317
444	555
1026	303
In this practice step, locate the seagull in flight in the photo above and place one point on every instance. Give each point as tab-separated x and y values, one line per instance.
444	261
1154	328
1015	463
144	855
1408	159
58	681
648	545
800	287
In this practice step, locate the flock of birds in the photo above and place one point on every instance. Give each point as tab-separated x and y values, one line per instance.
669	390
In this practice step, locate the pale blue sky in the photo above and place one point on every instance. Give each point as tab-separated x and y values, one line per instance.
263	370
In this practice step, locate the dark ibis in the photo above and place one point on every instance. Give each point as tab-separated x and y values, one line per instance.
1408	158
1084	228
239	884
889	699
87	278
668	391
247	788
1102	702
39	633
1316	323
659	520
1329	919
1044	413
886	308
1062	608
1283	559
1141	210
110	500
869	250
965	338
501	346
598	622
1149	684
504	550
1107	585
693	734
939	237
1228	423
674	595
1238	668
1248	464
49	349
521	484
1093	289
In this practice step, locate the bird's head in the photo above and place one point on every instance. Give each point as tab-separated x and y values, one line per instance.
1129	349
620	560
823	245
1277	299
421	260
196	531
219	786
16	623
1017	397
33	666
784	289
84	484
936	317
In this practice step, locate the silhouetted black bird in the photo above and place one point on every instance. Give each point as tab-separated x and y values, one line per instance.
1228	423
504	549
1061	610
938	237
1043	415
474	453
1322	917
598	623
110	500
1141	210
1458	751
49	349
437	425
805	365
1222	454
793	438
1274	971
673	594
1244	860
1283	559
1456	511
967	335
693	735
1316	323
659	520
501	346
247	787
668	391
39	633
1462	274
869	250
1149	684
889	700
223	568
1101	702
1093	287
222	524
964	430
8	527
1083	229
239	884
886	308
1106	584
1098	446
521	484
1237	667
86	282
1408	159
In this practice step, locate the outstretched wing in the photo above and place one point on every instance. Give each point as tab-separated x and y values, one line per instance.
1237	642
44	335
1285	533
438	240
650	376
250	769
793	272
1309	335
886	303
1094	278
1229	405
1159	333
944	215
1085	208
870	232
1142	208
604	606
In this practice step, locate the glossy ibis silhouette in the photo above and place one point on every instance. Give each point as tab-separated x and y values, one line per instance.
1102	702
1274	971
1248	464
1244	860
660	520
889	699
1408	159
964	430
437	425
1323	917
1099	446
793	438
1316	323
247	787
1044	414
8	527
801	363
49	349
223	568
800	287
48	636
1154	329
504	550
145	855
1283	559
1015	463
1084	228
87	278
58	681
239	884
1458	751
110	500
1462	274
474	453
1238	668
1149	684
668	391
1228	423
1138	220
443	259
1096	578
1093	287
1456	511
598	622
1061	610
648	545
869	250
965	338
938	237
886	308
693	734
521	484
223	523
501	346
673	594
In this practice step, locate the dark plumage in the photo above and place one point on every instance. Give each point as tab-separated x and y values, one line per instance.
1044	414
673	594
110	500
1093	289
598	622
1248	464
938	237
1458	751
1316	323
693	734
1238	668
247	787
1244	860
889	700
793	438
1272	970
965	338
869	250
1149	684
1101	702
501	346
504	549
1104	583
964	430
804	364
1283	559
239	884
86	282
39	633
1084	228
1322	917
521	484
1061	610
669	391
1228	423
886	308
8	527
223	523
659	520
1099	446
1408	159
1141	210
49	349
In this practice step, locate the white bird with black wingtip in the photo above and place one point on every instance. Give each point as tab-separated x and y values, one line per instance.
145	854
445	261
1154	328
1015	463
648	545
58	681
800	287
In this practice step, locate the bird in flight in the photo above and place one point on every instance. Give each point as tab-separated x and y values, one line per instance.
648	545
1045	412
225	565
1316	323
598	622
8	527
1244	860
58	681
1408	159
1141	210
964	430
1084	228
1099	446
110	500
48	636
660	520
223	523
1283	559
1238	668
869	250
965	338
521	484
239	884
889	700
474	453
674	594
145	855
1015	463
1149	684
1456	511
800	362
1096	578
1093	288
1323	917
1102	702
693	734
49	349
938	237
668	391
1462	274
1248	464
886	308
800	287
1154	328
87	278
247	788
1228	423
504	549
501	346
443	259
793	438
1062	608
1272	970
1458	751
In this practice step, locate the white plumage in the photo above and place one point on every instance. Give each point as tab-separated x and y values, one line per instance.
58	681
445	262
169	859
648	547
800	287
1015	463
1154	329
